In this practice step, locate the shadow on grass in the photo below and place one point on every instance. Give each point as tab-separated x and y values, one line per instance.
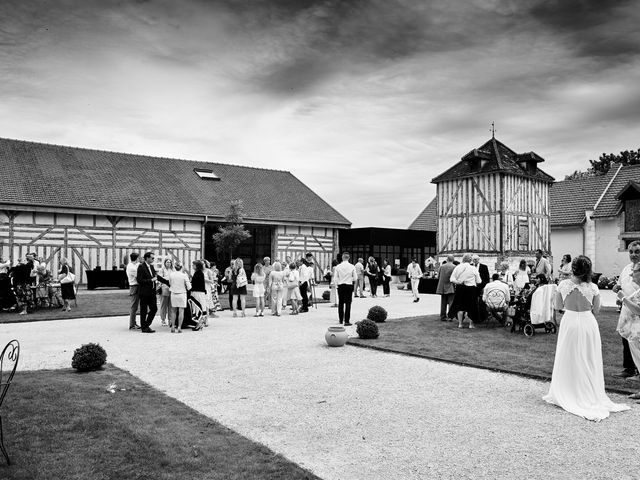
63	425
494	348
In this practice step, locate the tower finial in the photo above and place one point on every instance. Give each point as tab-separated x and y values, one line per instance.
493	130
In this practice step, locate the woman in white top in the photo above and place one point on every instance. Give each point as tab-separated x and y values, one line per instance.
165	294
577	382
257	277
239	287
522	276
465	300
276	285
178	286
565	267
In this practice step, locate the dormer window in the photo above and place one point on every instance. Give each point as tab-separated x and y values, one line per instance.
206	174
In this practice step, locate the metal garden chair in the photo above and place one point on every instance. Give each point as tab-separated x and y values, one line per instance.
8	364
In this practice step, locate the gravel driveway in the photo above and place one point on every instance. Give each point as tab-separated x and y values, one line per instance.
352	413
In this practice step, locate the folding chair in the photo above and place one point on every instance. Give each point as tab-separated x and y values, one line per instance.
8	364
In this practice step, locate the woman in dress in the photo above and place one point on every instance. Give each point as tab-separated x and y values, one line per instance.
465	300
565	267
257	277
178	286
577	382
333	294
199	291
292	281
215	286
521	277
68	290
239	287
165	293
372	271
386	277
276	285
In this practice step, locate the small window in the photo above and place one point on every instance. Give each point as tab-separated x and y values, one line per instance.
206	174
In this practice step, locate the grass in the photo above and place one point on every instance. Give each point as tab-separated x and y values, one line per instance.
65	425
103	303
495	347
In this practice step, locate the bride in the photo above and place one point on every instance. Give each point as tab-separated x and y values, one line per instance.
577	382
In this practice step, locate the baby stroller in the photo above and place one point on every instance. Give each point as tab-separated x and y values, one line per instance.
534	310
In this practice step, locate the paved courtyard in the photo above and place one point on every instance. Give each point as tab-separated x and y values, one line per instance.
352	413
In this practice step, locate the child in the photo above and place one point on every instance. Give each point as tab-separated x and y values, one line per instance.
257	277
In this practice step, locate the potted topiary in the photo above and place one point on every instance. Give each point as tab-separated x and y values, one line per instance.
367	329
377	314
90	356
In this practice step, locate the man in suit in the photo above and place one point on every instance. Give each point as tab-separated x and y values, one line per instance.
485	278
147	285
445	287
542	265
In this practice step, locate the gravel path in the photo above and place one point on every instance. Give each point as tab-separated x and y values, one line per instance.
351	413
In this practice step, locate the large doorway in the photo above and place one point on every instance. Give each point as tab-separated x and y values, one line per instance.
251	251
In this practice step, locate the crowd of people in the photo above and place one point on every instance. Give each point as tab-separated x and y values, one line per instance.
29	283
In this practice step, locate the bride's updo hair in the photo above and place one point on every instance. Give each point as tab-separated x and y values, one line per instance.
581	268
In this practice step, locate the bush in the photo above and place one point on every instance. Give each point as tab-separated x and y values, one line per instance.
377	314
90	356
326	295
367	329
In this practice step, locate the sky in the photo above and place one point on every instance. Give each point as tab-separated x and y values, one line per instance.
365	101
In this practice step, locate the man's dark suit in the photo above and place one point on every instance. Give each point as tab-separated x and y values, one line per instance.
485	278
147	293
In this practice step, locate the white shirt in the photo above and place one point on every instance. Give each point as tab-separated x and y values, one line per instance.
359	269
413	271
345	274
132	273
178	282
465	274
305	273
499	286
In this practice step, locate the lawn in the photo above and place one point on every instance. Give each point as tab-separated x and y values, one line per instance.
495	347
65	425
103	303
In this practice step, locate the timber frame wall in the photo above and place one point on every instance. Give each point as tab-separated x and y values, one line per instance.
89	240
495	214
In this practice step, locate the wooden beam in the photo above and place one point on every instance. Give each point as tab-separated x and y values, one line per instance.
477	187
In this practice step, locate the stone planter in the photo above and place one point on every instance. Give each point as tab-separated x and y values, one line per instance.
336	336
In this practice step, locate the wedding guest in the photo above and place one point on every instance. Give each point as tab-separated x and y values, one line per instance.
465	301
345	279
542	265
522	276
44	290
626	284
239	287
372	271
577	381
215	300
165	293
132	272
359	266
68	290
7	298
629	321
199	291
276	285
415	274
21	275
386	277
267	267
565	267
445	287
505	275
208	285
228	280
258	277
292	281
333	290
148	283
179	285
305	272
485	278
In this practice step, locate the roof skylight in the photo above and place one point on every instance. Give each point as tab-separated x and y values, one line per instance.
206	174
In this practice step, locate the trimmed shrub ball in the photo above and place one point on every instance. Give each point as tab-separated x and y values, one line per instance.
90	356
326	295
367	329
377	314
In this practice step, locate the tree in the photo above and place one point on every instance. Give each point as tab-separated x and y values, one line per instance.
234	233
604	162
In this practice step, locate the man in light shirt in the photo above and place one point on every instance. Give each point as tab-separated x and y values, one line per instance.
414	273
359	266
345	279
132	271
496	296
305	271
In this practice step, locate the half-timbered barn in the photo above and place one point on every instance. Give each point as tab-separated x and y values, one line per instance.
96	207
494	202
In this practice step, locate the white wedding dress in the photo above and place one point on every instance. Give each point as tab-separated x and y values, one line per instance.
577	382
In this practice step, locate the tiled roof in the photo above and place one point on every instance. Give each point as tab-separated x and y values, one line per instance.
428	218
498	158
569	199
610	206
37	174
